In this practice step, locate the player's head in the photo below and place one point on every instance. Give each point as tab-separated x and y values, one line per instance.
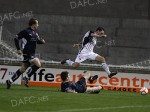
64	76
33	23
100	31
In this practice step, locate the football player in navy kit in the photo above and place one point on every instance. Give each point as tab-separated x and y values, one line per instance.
30	38
80	86
86	51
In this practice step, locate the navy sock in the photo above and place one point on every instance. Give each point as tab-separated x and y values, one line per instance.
16	76
32	70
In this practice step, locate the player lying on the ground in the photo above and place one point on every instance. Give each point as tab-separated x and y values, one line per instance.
86	51
80	86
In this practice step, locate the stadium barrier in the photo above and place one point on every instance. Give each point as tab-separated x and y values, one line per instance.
127	79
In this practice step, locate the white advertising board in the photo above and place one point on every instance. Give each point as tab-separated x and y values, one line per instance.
51	77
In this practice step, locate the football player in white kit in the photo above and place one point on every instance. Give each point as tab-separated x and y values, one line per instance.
86	51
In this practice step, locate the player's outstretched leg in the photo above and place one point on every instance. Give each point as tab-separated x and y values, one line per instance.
68	61
91	79
31	71
93	90
36	65
8	84
64	61
105	66
112	74
26	81
13	78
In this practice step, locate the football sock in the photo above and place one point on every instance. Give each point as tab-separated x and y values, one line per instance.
32	70
93	89
106	68
15	76
69	62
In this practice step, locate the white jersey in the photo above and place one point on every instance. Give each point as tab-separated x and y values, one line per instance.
86	52
88	42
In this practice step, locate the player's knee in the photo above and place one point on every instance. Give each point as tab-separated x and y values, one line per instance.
37	62
38	65
101	59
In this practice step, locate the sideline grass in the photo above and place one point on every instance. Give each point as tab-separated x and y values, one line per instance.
50	99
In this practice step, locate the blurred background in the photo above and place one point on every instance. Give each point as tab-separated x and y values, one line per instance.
64	22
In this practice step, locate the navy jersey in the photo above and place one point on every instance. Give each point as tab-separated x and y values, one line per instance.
66	86
29	38
79	86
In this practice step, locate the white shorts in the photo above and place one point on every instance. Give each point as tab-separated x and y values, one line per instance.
84	56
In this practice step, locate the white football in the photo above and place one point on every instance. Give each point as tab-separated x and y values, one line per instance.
143	90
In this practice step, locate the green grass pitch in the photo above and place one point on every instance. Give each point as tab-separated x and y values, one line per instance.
50	99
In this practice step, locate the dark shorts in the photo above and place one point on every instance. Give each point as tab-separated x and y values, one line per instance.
81	85
28	58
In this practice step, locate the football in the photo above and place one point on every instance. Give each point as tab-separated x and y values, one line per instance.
143	91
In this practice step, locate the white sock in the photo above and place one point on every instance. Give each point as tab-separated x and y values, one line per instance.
69	62
27	76
10	80
106	68
93	89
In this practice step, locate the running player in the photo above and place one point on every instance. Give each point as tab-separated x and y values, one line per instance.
86	51
30	38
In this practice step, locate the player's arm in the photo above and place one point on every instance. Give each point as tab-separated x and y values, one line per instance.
40	41
19	36
95	35
71	88
78	44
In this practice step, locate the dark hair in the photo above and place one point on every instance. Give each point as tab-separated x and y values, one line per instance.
64	75
32	21
100	29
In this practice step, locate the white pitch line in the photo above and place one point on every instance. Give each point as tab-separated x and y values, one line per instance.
101	108
91	109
